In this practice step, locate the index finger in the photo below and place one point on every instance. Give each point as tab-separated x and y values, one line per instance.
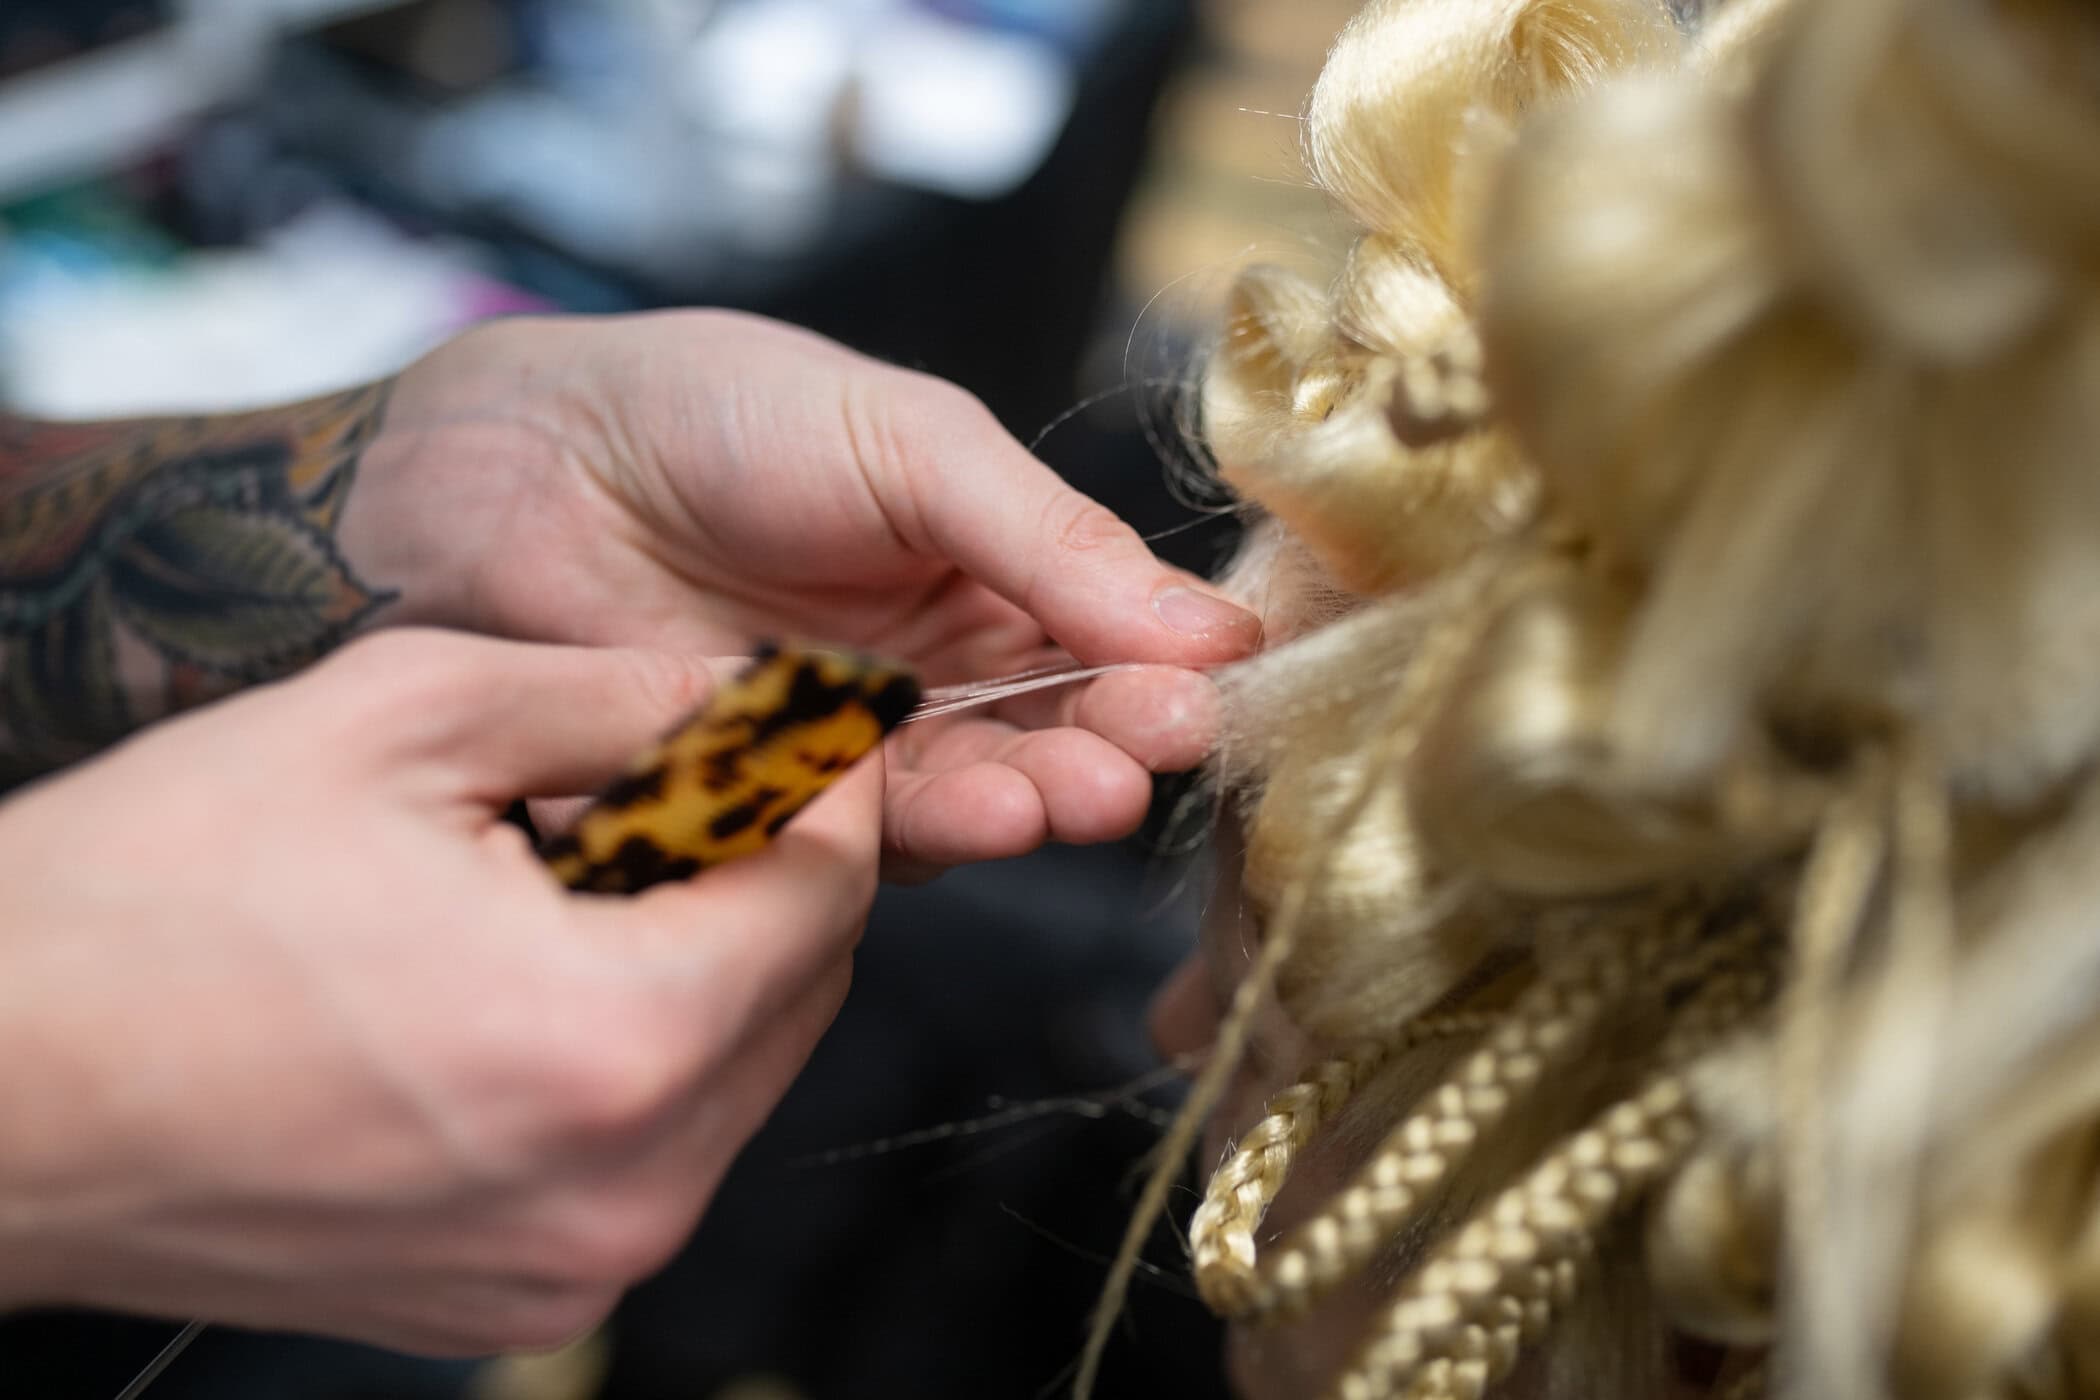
1165	717
957	487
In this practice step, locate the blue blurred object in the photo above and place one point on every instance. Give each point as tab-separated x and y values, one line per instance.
1076	26
79	234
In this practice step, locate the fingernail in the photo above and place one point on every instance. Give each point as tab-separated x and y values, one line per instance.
1195	614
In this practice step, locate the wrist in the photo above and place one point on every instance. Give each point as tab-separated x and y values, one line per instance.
405	530
467	433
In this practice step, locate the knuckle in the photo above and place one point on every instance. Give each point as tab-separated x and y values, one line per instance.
950	401
914	393
617	1084
406	672
567	1076
669	682
1083	526
891	416
869	428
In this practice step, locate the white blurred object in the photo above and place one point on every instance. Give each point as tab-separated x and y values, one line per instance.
334	298
964	111
761	89
772	73
561	170
921	101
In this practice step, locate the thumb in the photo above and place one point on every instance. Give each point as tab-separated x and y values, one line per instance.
980	501
751	936
512	719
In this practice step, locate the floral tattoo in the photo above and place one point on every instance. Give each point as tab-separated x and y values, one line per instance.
151	565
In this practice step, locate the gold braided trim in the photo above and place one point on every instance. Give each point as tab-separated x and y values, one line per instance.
1221	1233
1545	1030
1459	1324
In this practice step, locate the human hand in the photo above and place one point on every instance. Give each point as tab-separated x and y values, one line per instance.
296	1033
699	480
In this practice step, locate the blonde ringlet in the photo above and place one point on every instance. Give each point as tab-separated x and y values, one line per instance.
1411	84
1669	796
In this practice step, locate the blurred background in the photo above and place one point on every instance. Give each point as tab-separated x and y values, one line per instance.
207	204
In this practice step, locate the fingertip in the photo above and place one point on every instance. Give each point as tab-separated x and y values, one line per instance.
1206	626
1166	718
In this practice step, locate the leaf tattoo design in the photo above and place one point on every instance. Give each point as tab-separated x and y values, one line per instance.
149	566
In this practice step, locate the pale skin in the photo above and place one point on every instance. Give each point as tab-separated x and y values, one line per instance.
693	482
295	1032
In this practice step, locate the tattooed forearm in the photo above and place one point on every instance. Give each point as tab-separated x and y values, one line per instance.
150	565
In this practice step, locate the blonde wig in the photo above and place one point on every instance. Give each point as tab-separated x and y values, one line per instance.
1682	555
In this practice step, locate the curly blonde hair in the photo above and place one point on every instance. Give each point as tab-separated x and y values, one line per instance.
1682	550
